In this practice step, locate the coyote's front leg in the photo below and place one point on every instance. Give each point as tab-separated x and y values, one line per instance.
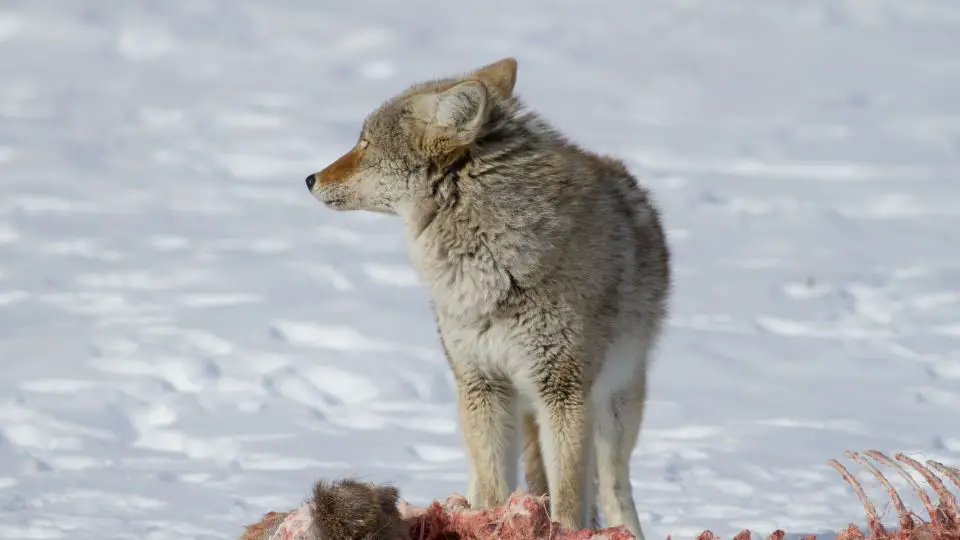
488	417
564	424
564	440
535	471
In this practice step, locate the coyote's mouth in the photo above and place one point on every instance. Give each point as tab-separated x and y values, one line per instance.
331	199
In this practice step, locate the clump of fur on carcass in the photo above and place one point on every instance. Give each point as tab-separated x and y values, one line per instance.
343	510
351	510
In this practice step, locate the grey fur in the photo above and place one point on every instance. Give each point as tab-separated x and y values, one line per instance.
549	274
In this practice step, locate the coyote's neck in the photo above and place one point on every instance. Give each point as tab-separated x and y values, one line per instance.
490	223
458	249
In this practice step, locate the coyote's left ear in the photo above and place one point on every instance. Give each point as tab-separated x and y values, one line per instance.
500	76
452	118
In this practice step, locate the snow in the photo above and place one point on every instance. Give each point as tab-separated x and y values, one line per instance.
189	339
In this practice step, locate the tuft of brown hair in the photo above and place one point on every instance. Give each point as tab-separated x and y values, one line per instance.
352	510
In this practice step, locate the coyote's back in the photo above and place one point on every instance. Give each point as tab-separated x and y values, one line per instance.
549	275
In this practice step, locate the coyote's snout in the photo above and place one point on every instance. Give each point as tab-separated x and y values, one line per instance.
328	184
549	275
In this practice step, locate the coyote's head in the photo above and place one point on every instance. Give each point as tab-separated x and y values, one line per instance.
413	137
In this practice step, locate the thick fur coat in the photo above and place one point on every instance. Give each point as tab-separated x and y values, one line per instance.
549	274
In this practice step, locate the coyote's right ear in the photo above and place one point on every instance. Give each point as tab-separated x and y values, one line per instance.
500	76
452	118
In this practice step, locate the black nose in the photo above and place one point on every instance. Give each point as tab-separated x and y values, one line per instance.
311	180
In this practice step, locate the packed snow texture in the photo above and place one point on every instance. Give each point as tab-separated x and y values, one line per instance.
189	339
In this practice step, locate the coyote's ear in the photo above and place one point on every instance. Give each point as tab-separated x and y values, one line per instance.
452	118
500	76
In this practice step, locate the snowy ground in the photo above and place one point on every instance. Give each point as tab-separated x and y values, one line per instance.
189	339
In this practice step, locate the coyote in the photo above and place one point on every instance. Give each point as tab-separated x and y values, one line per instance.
549	277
